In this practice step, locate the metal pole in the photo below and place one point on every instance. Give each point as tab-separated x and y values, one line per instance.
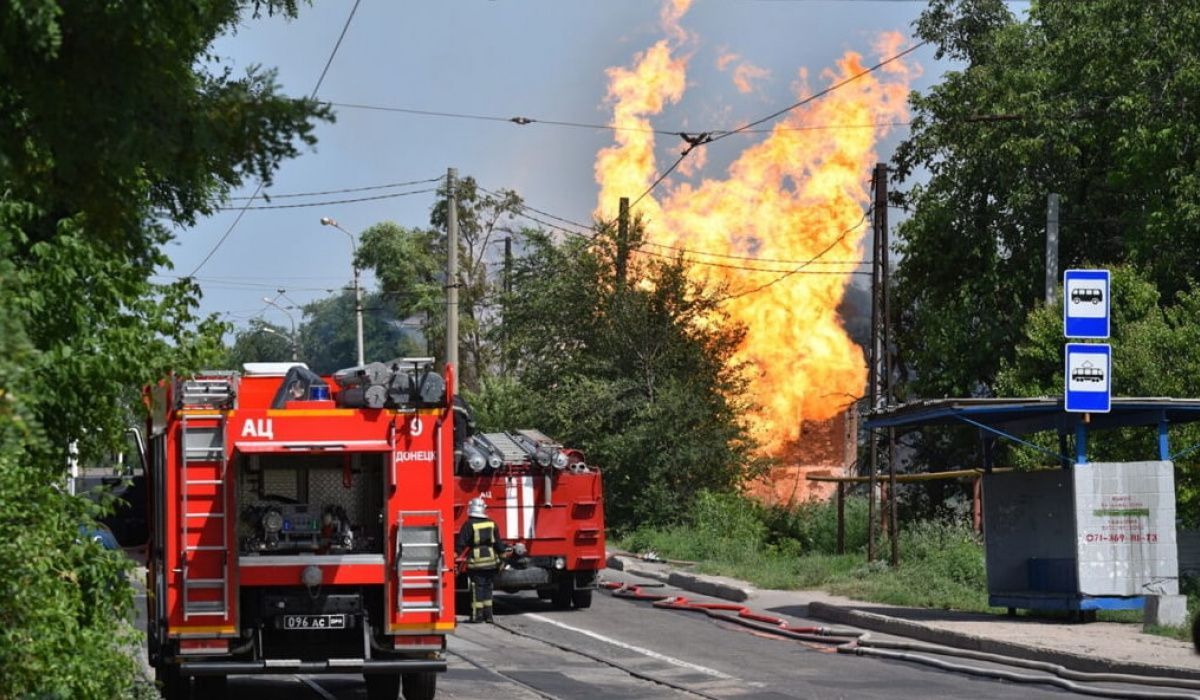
292	322
358	311
505	350
977	504
894	525
841	517
1051	248
876	353
358	308
622	241
452	274
888	393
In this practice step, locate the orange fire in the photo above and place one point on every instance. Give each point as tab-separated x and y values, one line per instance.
794	194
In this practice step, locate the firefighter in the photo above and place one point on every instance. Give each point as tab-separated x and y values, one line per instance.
481	547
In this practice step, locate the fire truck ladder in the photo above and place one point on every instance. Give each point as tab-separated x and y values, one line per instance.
419	560
509	451
202	488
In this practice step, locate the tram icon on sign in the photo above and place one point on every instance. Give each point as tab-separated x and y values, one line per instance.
1083	295
1087	373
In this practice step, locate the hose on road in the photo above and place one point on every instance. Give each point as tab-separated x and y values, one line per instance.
859	643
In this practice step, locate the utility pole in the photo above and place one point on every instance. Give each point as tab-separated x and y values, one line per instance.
504	349
873	369
452	274
880	372
1051	248
889	397
358	309
622	241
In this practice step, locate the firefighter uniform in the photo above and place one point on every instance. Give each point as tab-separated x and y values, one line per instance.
482	545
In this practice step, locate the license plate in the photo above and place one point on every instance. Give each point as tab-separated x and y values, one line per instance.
314	622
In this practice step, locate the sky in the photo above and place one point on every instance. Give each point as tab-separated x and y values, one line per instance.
541	59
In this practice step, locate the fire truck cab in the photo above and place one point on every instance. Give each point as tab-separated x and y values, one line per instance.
292	532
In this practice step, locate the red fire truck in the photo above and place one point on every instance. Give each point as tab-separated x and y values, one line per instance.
298	527
546	502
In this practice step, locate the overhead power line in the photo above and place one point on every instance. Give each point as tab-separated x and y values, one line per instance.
258	188
520	121
800	269
752	258
695	141
393	195
588	231
345	190
819	94
526	121
336	46
707	263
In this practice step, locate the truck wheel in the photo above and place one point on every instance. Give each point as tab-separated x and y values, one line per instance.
171	683
383	686
582	598
561	597
420	686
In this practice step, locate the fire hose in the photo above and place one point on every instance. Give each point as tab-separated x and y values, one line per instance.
859	643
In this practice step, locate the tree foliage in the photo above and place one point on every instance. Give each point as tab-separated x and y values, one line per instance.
96	162
328	339
259	342
1096	101
410	264
638	375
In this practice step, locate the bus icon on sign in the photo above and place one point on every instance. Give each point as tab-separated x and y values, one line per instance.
1087	373
1087	301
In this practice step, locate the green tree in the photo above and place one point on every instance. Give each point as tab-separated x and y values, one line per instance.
1096	101
260	342
328	341
96	165
410	264
638	376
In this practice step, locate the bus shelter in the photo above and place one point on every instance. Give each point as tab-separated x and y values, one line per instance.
1078	535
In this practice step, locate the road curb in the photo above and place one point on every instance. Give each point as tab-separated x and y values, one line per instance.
962	640
712	586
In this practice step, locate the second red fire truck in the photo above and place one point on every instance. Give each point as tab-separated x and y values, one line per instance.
548	504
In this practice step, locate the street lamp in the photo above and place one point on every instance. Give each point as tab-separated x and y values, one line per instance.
291	320
358	309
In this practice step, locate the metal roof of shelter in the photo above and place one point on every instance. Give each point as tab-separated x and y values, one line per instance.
1033	415
1010	418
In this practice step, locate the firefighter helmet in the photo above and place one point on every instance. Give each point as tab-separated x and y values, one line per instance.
476	508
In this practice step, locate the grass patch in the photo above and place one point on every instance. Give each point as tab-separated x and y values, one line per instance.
941	563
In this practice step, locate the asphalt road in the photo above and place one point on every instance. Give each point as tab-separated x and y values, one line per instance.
627	649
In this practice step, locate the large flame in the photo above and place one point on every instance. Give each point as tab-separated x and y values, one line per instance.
793	195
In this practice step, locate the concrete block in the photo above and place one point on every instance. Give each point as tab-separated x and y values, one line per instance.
1166	610
712	587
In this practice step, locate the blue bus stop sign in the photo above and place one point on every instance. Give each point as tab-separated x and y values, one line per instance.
1087	303
1088	378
